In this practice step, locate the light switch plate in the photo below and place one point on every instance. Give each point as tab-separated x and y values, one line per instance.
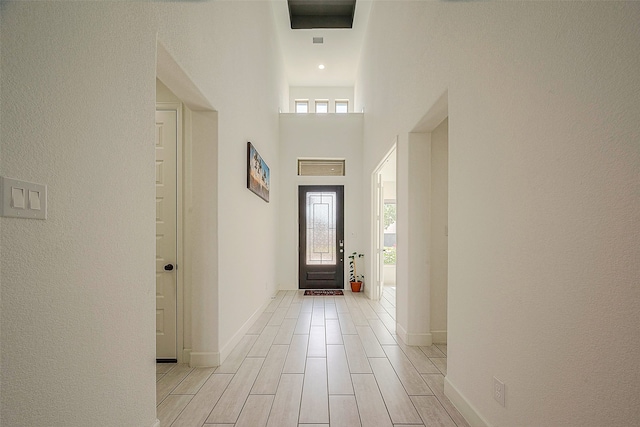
32	208
17	197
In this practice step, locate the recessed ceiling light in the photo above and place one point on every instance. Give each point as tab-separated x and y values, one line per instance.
321	66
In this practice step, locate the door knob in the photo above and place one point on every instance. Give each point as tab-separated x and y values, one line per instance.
168	267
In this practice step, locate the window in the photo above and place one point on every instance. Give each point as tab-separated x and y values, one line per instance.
321	228
389	232
302	106
342	106
322	106
321	167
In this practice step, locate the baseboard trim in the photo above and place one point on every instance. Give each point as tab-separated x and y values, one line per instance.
463	406
413	339
224	353
156	424
204	360
439	337
186	356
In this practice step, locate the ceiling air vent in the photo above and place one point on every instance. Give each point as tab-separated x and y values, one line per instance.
318	40
308	14
320	167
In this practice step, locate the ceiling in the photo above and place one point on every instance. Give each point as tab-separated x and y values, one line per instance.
339	52
321	13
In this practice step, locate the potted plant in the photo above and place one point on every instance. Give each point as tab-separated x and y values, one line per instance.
355	278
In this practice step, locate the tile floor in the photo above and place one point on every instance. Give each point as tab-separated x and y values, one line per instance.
311	362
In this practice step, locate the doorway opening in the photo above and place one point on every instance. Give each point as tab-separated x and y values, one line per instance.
321	236
168	146
422	294
439	231
197	205
384	224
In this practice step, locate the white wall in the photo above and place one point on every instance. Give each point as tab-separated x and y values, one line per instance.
164	94
1	171
318	136
78	101
330	93
223	59
439	224
543	194
413	287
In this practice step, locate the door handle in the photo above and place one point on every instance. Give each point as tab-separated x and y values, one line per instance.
168	267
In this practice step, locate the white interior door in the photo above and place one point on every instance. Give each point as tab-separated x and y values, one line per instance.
166	234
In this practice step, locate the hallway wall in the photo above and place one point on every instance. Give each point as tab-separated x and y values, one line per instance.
78	98
318	136
78	307
439	250
543	194
236	63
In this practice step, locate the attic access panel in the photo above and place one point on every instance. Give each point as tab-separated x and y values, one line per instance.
308	14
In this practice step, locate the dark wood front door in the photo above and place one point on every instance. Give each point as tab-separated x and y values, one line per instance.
321	219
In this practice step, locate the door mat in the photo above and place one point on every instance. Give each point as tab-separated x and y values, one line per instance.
323	292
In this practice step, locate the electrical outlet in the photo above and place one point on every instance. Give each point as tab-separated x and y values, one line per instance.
498	391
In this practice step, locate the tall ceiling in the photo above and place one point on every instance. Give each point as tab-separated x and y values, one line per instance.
339	52
321	13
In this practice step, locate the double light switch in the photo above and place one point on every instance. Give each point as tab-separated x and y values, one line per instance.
21	199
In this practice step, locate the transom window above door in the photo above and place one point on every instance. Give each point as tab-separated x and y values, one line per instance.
321	167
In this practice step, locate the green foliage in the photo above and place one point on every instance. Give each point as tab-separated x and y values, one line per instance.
389	214
353	274
390	255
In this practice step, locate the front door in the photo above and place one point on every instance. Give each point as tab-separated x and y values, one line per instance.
166	234
321	237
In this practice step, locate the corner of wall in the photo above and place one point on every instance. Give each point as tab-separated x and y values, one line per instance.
439	337
204	359
466	409
414	339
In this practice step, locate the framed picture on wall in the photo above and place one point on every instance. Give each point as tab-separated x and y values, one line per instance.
257	173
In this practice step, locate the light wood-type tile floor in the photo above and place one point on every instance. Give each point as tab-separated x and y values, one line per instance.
314	361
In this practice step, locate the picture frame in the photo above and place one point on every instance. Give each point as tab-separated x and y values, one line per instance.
258	174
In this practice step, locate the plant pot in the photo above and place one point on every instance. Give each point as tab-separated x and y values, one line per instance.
355	286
